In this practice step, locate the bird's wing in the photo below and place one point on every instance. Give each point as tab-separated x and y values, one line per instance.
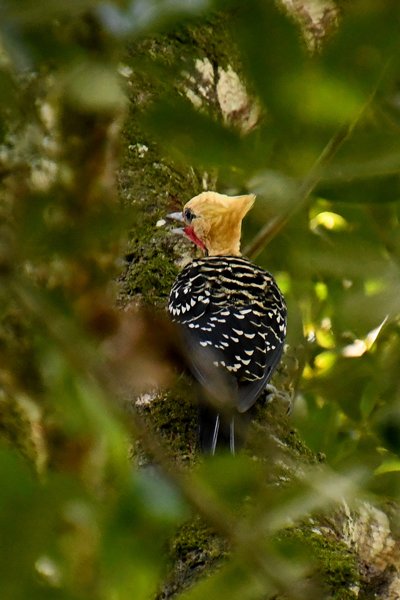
249	391
191	306
231	344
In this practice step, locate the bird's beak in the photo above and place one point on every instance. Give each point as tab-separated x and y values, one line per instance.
177	216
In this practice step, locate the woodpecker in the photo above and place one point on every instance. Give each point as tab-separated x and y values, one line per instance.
231	314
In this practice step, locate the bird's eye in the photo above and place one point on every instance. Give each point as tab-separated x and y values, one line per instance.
188	215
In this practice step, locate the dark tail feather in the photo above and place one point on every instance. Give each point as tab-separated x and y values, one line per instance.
216	431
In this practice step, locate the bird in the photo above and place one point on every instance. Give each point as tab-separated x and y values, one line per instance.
231	316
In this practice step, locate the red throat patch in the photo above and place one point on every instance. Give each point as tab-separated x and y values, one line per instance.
189	232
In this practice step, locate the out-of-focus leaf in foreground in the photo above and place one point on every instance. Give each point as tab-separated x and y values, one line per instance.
82	119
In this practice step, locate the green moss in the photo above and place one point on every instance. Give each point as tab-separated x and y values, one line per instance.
173	416
195	535
142	277
336	564
210	37
273	434
194	550
332	566
151	186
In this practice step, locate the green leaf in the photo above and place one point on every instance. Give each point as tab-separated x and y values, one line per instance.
233	478
189	134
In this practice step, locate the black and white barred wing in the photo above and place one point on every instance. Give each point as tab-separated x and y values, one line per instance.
190	305
233	317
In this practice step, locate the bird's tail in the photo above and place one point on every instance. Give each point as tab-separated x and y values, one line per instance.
218	431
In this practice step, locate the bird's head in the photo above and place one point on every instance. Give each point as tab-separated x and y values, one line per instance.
213	221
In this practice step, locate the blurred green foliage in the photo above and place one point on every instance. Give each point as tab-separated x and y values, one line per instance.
77	519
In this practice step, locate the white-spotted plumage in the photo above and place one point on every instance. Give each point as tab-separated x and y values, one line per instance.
245	304
231	313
